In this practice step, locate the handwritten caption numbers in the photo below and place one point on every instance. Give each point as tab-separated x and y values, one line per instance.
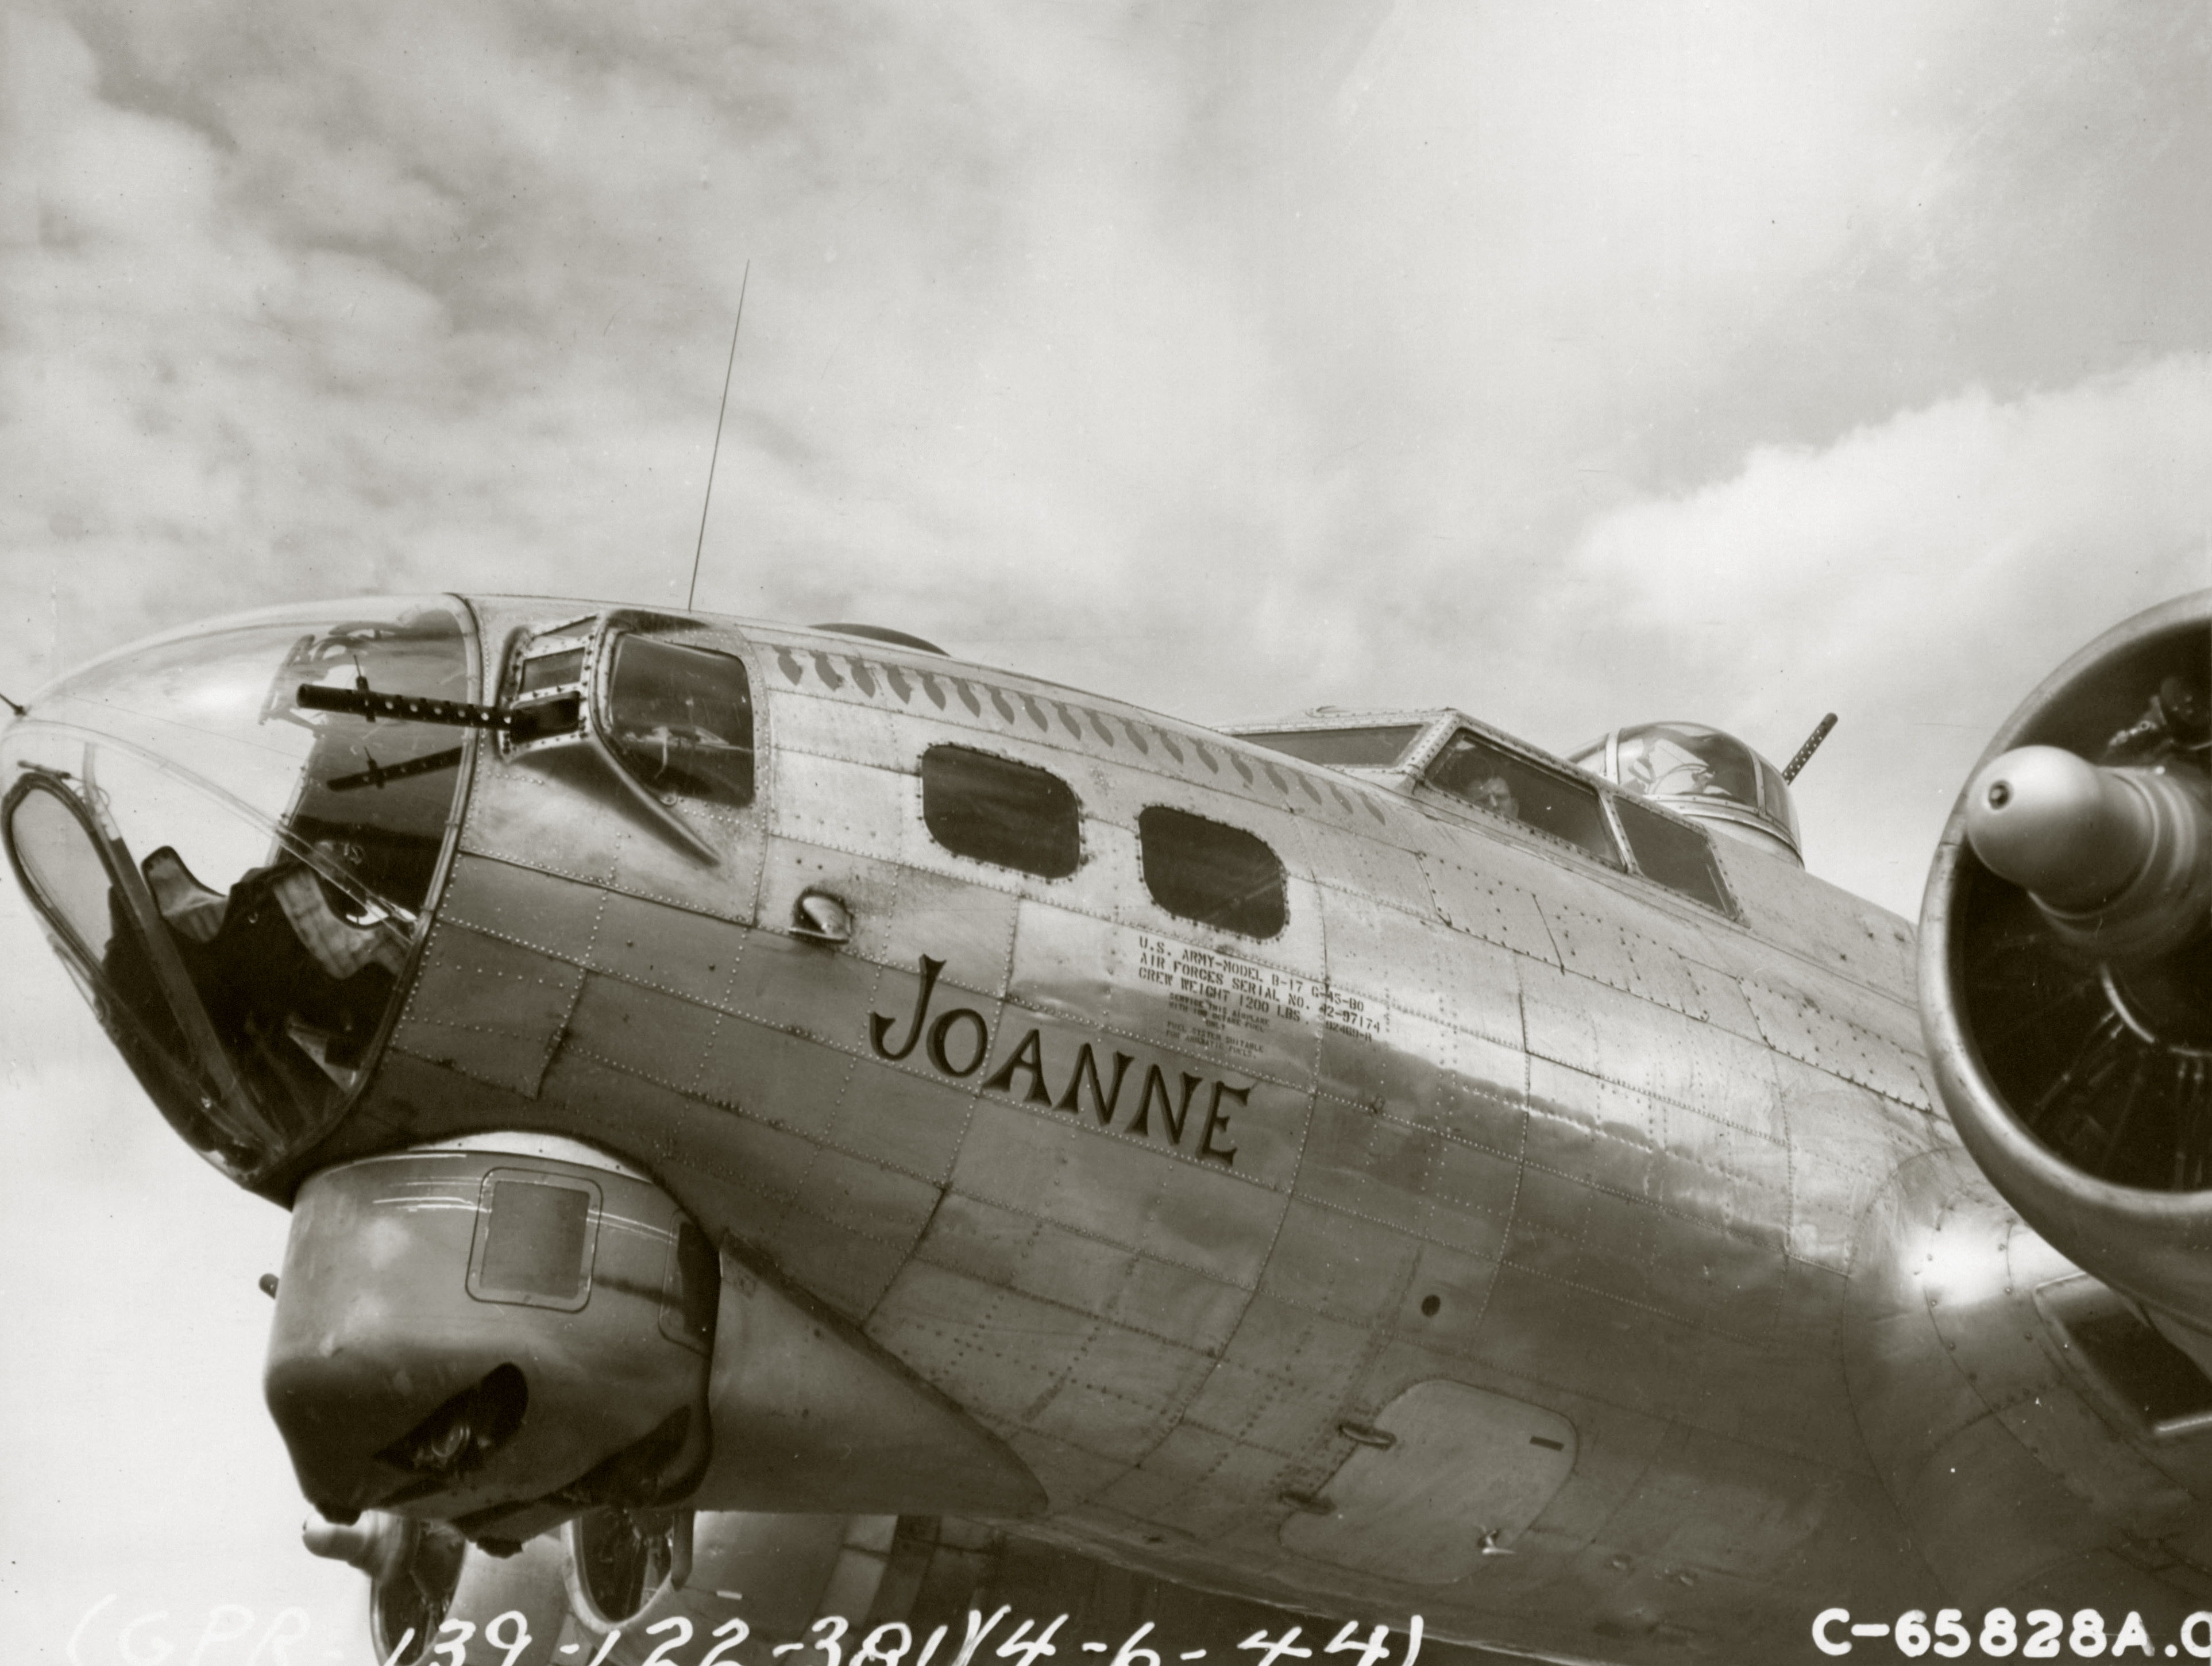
1370	1652
878	1645
831	1645
735	1632
891	1643
1277	1648
675	1623
1020	1646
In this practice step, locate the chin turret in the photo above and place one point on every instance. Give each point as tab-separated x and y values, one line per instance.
2066	964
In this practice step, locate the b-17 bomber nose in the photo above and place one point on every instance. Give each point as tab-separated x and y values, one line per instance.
2118	860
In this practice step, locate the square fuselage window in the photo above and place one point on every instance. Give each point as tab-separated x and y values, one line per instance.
1212	872
998	811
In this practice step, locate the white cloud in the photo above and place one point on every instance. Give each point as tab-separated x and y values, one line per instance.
1933	566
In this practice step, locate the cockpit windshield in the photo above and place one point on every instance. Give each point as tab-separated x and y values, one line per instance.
234	871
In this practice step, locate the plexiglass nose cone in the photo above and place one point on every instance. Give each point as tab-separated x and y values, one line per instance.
234	873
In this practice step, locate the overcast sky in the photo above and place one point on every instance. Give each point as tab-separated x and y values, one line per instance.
1573	364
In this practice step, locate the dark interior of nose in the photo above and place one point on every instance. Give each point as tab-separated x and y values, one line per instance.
250	1010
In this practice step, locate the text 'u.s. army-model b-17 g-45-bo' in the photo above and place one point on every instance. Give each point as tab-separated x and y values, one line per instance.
798	1143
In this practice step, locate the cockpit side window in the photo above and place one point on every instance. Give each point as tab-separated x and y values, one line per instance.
1209	872
1677	856
998	811
1490	778
681	720
1376	747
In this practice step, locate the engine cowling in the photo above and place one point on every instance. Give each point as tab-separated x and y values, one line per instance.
2066	964
500	1333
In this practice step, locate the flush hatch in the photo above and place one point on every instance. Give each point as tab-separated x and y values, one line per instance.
1464	1474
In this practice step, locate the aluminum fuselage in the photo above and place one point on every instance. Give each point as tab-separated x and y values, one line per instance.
1169	1210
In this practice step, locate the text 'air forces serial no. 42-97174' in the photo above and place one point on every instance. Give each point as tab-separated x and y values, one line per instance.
800	1147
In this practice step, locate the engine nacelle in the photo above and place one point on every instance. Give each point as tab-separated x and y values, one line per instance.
498	1333
2066	964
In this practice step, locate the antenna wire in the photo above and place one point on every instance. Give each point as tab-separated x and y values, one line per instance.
714	457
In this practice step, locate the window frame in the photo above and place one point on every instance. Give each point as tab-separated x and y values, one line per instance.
1079	853
1145	871
1430	756
1727	907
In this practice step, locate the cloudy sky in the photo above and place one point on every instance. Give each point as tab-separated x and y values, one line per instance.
1574	364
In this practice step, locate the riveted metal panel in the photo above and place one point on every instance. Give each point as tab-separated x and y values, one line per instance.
1826	925
837	729
1347	857
863	1196
1593	946
1473	1195
1482	984
1591	1027
532	818
1441	1306
998	1352
643	1032
970	929
1340	1265
1203	1220
1254	1407
555	916
845	806
1839	1163
1387	955
1587	1128
905	1119
827	995
1806	1027
1722	1001
1184	1463
848	1271
672	949
1043	1259
1065	962
1484	905
691	1137
1125	1390
649	861
1122	1191
1489	1084
1367	1162
489	1009
1286	1371
776	1077
1689	1163
1659	974
1181	1302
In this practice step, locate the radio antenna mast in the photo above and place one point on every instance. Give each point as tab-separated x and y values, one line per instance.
1811	745
716	456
